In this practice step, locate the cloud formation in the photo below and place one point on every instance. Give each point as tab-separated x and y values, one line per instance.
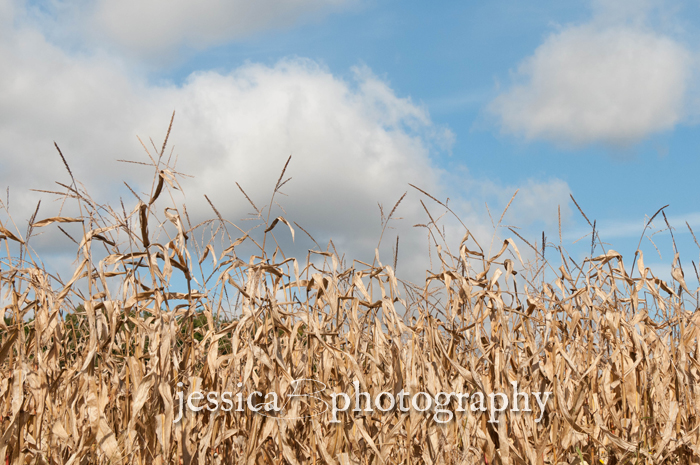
354	142
156	28
597	83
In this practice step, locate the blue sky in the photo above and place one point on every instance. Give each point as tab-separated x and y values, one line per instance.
470	100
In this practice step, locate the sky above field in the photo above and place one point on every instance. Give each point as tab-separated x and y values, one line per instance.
469	101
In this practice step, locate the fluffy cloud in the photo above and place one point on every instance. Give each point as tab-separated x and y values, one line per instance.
151	29
160	24
354	143
614	84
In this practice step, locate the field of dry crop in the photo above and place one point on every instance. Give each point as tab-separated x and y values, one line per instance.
90	365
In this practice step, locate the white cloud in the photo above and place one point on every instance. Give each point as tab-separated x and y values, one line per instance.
6	13
598	83
156	28
160	24
354	143
535	201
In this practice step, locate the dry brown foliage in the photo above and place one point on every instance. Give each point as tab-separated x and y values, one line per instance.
90	366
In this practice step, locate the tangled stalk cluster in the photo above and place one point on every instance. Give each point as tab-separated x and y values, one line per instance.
91	369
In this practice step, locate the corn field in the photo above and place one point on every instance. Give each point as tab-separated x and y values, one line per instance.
92	366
